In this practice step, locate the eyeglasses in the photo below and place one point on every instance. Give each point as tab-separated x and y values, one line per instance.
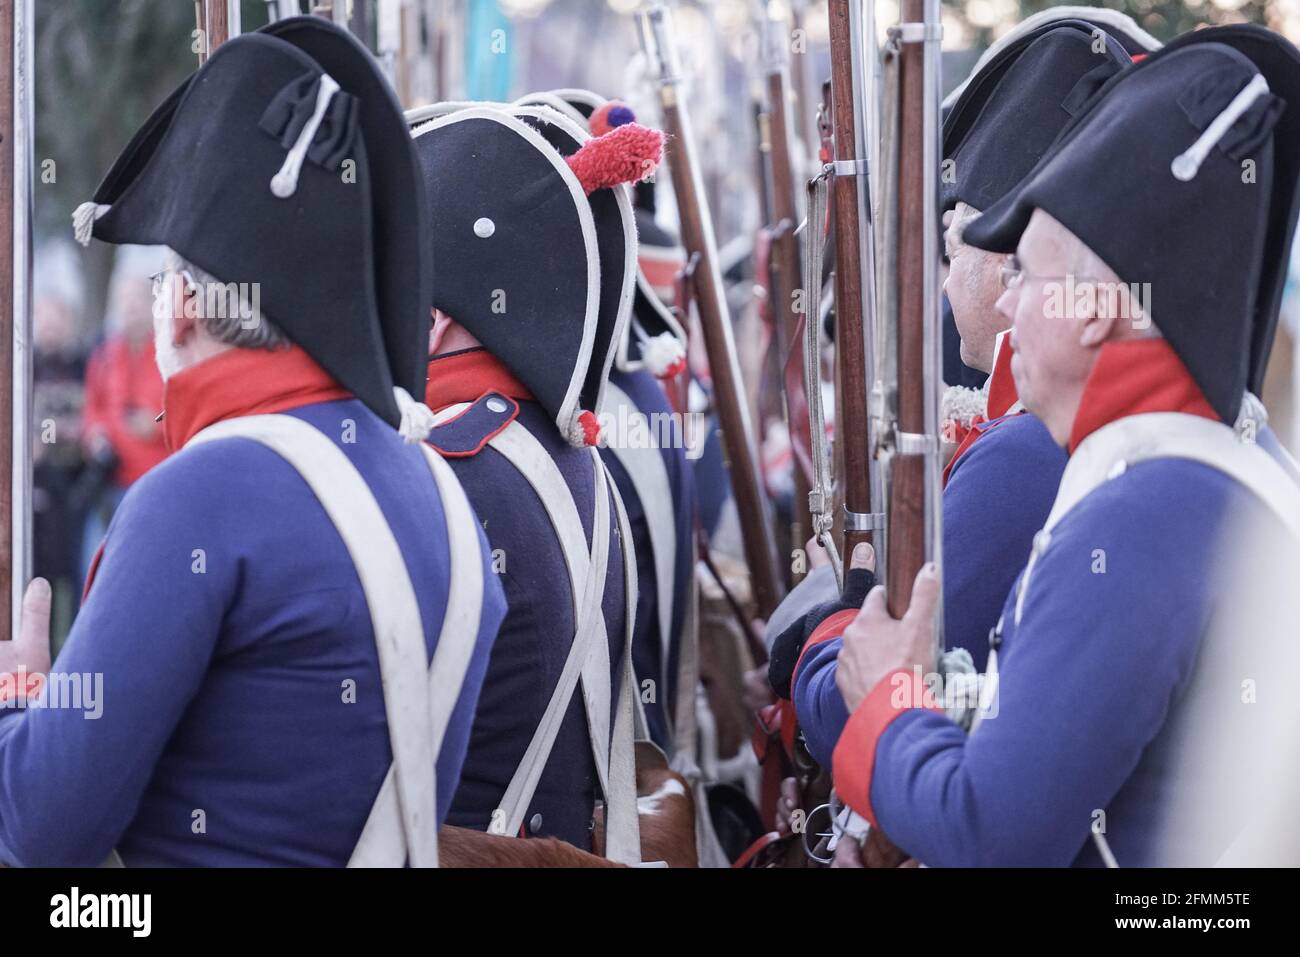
159	281
1012	275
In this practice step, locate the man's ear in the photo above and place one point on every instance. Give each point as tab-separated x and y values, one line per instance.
1099	312
1095	329
184	328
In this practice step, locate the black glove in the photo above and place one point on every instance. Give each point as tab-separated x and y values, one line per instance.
789	644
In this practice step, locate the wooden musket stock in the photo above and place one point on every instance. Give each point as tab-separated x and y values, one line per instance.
728	393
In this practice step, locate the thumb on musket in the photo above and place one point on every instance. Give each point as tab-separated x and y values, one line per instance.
34	627
861	576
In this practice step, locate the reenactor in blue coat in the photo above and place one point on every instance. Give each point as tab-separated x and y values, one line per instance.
292	615
644	447
1143	304
1003	478
536	257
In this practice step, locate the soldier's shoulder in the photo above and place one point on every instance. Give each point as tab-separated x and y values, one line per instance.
1016	448
467	432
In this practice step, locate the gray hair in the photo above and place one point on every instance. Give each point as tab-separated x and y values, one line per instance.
231	311
1086	264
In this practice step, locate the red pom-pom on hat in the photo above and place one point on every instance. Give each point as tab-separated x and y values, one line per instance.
626	154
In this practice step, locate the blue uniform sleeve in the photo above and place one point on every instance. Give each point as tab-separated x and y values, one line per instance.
1082	694
72	777
818	702
998	496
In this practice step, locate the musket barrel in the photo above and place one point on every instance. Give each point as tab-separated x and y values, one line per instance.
852	275
16	207
788	272
698	238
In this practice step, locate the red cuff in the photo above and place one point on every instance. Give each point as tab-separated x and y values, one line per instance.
19	685
854	758
832	627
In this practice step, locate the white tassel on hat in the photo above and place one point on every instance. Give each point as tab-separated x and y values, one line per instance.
83	221
285	183
1187	164
417	418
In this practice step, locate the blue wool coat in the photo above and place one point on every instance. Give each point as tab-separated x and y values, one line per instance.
535	637
1093	690
998	495
242	718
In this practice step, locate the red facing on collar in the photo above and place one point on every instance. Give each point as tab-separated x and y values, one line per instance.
1002	384
466	375
242	382
1130	378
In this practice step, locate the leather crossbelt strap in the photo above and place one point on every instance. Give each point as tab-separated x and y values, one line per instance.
382	842
402	826
587	606
589	653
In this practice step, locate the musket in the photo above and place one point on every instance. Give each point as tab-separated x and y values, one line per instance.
17	134
217	21
908	445
803	120
711	305
785	276
859	485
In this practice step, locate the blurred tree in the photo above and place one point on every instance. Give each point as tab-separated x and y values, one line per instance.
101	68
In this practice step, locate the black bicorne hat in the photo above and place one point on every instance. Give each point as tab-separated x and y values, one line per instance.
242	172
1017	104
654	339
403	274
1179	177
616	243
1279	62
1136	41
518	247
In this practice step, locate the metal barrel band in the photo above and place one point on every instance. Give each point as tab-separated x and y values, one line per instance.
849	167
863	521
916	32
916	443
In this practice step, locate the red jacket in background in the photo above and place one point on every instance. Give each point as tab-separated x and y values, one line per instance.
123	386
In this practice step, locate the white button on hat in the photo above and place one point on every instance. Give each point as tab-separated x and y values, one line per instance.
496	405
484	227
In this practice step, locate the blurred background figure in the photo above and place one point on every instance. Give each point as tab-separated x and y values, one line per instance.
120	438
59	368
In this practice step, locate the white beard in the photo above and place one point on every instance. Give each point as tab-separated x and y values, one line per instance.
165	353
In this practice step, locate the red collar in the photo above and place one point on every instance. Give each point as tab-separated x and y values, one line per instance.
1002	384
242	382
1130	378
465	375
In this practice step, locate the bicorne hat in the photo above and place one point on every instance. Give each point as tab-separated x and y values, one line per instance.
1181	176
519	249
1017	104
1136	41
654	339
279	162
